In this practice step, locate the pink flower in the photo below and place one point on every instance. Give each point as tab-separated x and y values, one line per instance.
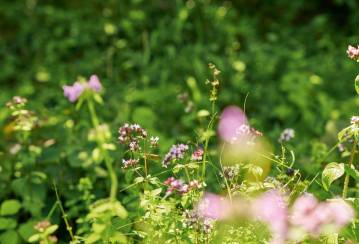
214	207
341	211
94	83
73	92
303	213
231	118
197	155
353	52
272	209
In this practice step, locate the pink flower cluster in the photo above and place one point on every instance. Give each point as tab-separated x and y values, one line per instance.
127	163
233	127
353	52
176	185
307	214
74	92
313	216
197	155
130	135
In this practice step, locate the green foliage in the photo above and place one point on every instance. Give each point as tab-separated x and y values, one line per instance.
283	61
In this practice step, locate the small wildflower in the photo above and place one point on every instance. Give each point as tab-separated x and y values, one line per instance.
230	172
42	225
134	146
175	185
94	83
154	141
127	163
197	155
176	152
16	101
287	135
353	52
341	147
75	91
354	120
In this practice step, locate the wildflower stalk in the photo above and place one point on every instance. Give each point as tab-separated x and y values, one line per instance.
64	215
213	98
107	159
351	160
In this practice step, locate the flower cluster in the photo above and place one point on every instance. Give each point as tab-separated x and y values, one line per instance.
193	220
286	135
74	92
197	155
314	217
230	172
42	225
176	185
353	52
245	133
176	152
307	214
16	102
128	163
130	135
154	141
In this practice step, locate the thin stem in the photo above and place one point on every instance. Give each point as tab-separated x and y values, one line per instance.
351	160
64	215
205	151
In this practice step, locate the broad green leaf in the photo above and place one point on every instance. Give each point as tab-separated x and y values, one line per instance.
331	172
9	207
9	236
7	223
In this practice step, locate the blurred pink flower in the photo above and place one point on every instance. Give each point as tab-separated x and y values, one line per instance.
94	83
73	92
214	207
271	208
231	119
341	211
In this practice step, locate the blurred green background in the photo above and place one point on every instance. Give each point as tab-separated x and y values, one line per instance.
288	56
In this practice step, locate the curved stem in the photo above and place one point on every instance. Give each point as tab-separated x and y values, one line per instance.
351	160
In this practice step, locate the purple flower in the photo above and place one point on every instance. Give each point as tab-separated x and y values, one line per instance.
154	141
353	52
214	206
175	185
73	92
94	83
176	152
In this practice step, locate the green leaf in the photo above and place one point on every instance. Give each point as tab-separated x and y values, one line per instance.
331	172
34	238
7	223
9	236
10	207
352	172
357	84
51	229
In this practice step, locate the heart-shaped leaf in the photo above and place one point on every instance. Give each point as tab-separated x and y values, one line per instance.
332	172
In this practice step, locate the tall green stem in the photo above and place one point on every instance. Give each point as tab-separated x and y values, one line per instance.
205	150
351	160
107	159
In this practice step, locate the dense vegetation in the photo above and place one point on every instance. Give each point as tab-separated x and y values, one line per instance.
128	154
